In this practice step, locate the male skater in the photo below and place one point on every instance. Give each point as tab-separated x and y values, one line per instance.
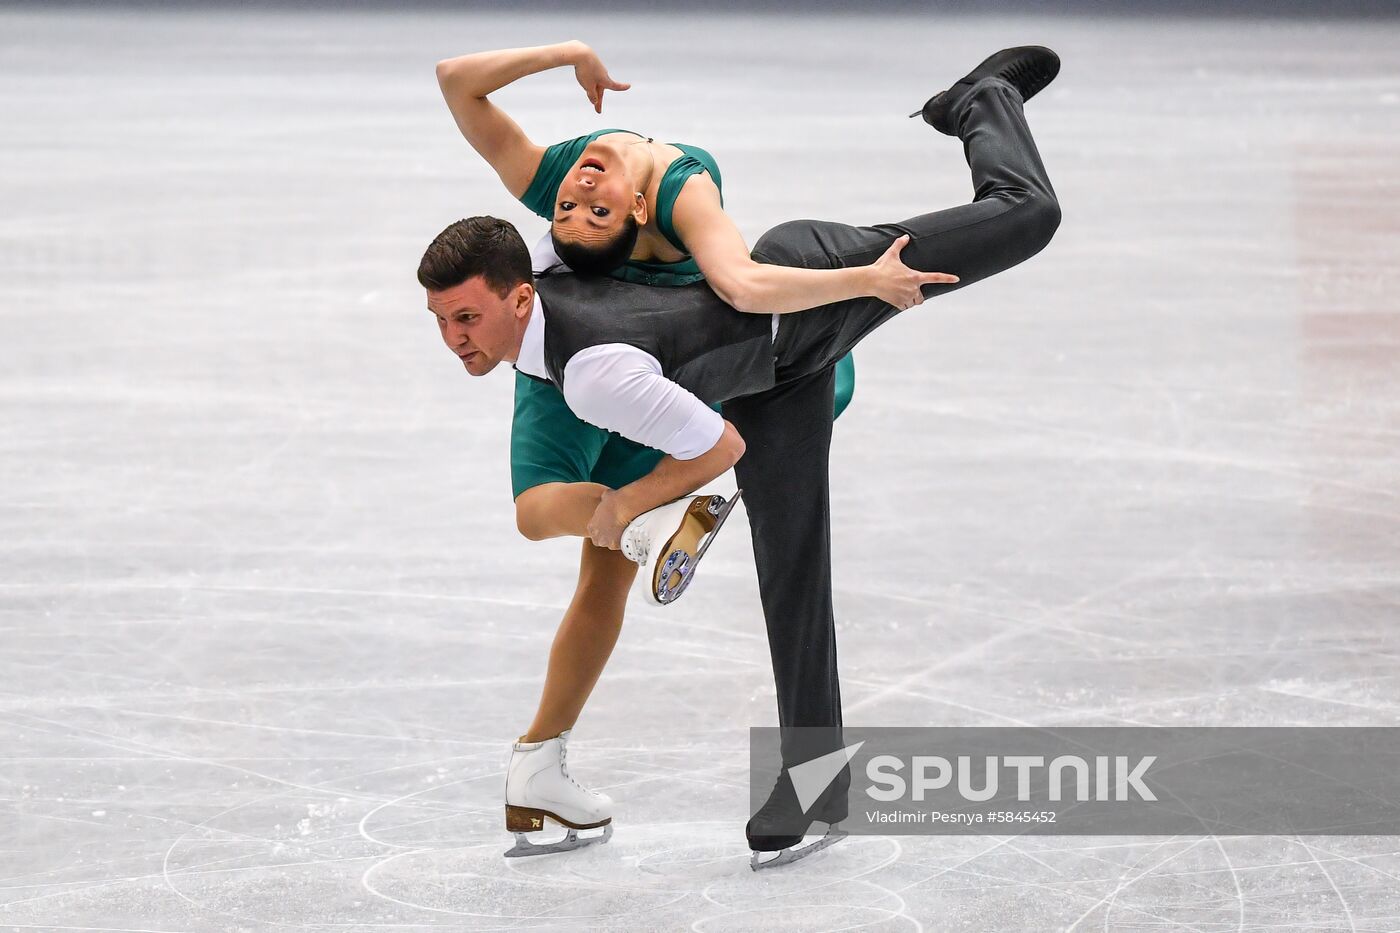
669	353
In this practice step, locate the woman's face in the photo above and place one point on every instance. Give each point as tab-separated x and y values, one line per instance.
595	196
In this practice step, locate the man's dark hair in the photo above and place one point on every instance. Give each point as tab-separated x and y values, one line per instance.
484	246
598	258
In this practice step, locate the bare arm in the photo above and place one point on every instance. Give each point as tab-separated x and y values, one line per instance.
466	80
720	251
673	478
670	480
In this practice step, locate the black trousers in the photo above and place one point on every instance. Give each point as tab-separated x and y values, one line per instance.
787	429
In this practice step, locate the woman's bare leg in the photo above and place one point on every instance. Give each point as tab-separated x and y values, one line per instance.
585	638
556	510
593	620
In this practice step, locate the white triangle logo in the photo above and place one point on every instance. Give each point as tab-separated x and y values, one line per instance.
811	778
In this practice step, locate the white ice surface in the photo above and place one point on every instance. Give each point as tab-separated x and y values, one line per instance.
266	626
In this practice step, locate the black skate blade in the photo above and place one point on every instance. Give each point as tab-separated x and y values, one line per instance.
524	847
672	595
786	857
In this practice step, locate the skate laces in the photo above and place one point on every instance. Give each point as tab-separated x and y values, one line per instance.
1025	75
564	767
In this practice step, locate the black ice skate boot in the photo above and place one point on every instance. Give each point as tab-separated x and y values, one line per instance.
1027	68
780	824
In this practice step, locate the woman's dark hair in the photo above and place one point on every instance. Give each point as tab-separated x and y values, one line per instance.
484	246
598	258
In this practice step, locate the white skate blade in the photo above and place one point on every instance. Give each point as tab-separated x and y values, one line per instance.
664	585
571	841
787	856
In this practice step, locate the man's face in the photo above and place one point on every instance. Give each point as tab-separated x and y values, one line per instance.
479	326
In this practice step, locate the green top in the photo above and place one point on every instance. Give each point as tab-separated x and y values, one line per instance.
539	197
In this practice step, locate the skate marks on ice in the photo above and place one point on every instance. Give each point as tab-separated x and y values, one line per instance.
894	883
650	876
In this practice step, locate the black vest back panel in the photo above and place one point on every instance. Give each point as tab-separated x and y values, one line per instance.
703	344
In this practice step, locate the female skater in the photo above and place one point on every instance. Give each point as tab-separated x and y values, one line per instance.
616	198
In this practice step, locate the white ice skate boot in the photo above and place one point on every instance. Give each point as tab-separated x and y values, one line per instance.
538	787
669	541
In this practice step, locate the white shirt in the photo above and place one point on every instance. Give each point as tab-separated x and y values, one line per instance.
620	387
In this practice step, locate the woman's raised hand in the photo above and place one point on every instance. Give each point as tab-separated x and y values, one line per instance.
593	77
896	284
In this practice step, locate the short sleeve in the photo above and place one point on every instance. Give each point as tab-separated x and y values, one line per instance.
622	389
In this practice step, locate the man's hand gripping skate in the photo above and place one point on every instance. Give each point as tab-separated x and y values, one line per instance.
668	541
661	524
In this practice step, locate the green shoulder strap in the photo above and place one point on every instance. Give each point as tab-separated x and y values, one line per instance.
694	161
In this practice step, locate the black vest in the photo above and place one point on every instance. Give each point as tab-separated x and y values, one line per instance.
703	344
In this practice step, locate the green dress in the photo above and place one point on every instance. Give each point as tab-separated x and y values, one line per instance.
548	443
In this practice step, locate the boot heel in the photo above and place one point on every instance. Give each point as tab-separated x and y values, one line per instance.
523	819
704	510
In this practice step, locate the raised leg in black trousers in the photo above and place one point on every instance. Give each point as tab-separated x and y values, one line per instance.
1013	217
